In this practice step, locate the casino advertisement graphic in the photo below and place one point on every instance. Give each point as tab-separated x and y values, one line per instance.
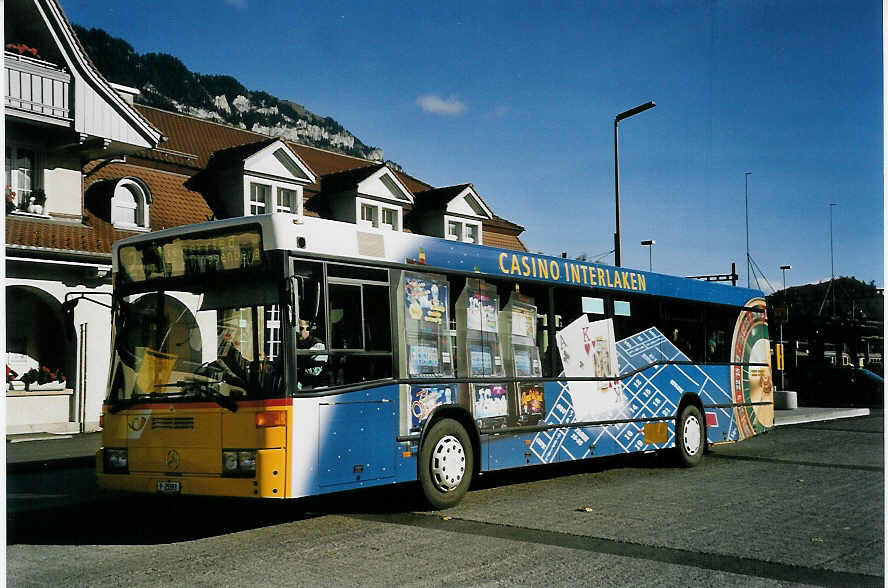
654	373
752	383
588	350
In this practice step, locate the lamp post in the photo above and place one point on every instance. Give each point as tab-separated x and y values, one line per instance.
747	174
832	266
650	245
617	119
784	268
783	371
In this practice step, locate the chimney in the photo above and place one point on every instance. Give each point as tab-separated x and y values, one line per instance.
125	92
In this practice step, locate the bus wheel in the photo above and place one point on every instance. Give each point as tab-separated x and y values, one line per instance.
445	468
690	437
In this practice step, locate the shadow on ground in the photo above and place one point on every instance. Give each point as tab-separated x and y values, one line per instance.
119	519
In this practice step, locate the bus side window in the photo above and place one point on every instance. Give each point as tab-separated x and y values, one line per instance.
360	324
346	330
719	329
311	329
377	321
682	324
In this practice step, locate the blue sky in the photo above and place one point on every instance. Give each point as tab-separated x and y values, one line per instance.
519	98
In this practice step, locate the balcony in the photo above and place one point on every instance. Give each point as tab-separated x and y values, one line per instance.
37	89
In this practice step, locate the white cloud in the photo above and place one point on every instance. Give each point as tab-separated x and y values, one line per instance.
436	105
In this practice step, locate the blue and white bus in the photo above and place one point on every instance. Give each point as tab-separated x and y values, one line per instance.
278	356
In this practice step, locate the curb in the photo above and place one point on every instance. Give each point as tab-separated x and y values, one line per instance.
834	414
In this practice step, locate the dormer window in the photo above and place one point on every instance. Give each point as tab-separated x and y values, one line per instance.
286	200
471	233
378	215
463	230
390	219
265	177
260	194
124	210
370	215
129	204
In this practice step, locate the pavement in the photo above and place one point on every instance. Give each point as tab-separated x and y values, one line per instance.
37	451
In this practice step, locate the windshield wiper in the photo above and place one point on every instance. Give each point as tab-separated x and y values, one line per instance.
160	394
203	385
135	398
222	400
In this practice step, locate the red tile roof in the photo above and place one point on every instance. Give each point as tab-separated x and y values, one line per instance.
92	236
192	141
166	170
173	204
493	238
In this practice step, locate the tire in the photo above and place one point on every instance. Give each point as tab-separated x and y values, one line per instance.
446	463
690	437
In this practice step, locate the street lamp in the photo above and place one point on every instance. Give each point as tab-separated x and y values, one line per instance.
783	371
617	119
650	245
784	268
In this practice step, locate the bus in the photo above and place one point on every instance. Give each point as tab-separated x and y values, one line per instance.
281	356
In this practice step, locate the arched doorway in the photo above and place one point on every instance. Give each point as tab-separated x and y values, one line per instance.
35	333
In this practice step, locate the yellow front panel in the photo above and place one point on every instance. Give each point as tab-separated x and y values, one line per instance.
239	430
270	473
114	431
175	459
175	428
185	445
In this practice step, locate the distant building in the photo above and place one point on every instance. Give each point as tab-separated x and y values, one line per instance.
85	166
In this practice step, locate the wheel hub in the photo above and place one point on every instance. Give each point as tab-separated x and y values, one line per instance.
691	435
448	463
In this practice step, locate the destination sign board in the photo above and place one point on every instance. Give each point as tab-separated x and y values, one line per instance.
191	256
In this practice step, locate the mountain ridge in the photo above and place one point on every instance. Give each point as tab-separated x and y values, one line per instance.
165	82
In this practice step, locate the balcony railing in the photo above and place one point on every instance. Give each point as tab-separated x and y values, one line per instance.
37	88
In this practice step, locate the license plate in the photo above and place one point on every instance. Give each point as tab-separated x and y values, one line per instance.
167	487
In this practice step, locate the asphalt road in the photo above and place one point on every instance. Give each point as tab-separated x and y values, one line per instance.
801	505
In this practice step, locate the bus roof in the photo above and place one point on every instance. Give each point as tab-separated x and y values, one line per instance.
347	241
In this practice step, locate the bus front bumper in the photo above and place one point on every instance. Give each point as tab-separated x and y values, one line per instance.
269	481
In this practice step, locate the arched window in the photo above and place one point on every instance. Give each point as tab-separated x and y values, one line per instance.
129	204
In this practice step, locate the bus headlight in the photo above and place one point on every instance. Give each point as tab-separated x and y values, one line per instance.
116	461
240	463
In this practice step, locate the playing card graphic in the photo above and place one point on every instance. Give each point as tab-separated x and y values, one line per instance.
589	350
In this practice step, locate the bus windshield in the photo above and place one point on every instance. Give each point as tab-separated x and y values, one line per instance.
221	344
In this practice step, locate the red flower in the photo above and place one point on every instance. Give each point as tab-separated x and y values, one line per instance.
21	49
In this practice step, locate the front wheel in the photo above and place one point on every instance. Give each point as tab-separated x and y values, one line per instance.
446	461
690	437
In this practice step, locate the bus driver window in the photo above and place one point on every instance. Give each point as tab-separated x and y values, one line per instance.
310	329
310	366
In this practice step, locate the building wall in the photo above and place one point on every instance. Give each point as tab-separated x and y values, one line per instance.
62	183
76	406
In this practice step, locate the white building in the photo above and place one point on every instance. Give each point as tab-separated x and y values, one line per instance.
59	114
110	168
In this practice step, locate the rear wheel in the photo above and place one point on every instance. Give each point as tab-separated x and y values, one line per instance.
690	436
445	469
